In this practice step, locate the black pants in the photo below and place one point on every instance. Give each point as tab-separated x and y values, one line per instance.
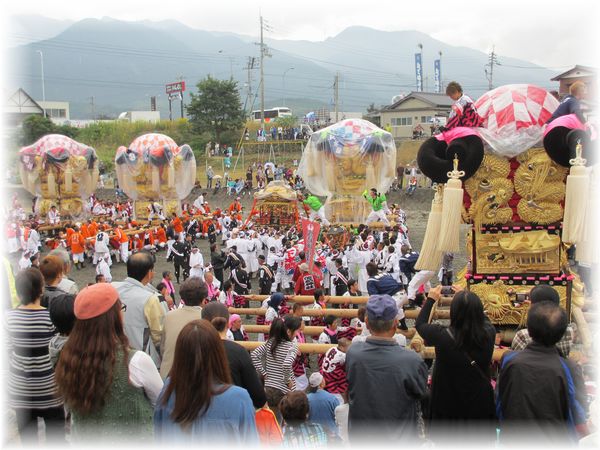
218	274
54	419
265	289
177	265
447	278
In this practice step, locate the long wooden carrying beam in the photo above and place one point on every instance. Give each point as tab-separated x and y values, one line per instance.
312	330
350	313
427	353
333	299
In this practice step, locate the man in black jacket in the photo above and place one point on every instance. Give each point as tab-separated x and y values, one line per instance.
265	276
537	399
217	260
180	258
340	280
240	279
233	257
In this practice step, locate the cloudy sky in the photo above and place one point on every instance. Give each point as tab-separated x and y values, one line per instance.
555	34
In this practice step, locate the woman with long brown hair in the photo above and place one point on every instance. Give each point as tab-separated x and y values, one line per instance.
199	403
109	388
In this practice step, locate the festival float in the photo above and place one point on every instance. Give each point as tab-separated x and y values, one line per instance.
154	168
59	171
276	204
343	160
524	203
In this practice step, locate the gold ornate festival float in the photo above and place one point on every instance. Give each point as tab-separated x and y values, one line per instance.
514	200
59	171
276	204
154	168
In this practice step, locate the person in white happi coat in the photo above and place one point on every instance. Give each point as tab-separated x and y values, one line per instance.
25	260
196	263
103	268
155	210
199	203
98	209
422	277
53	216
361	257
243	248
392	263
33	241
101	248
253	256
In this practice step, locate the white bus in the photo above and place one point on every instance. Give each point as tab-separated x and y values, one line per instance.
272	114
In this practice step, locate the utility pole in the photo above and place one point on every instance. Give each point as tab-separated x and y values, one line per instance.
262	77
336	84
264	52
490	75
43	81
180	78
93	108
249	68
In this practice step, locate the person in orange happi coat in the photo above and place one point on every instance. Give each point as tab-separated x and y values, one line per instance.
84	231
123	242
177	226
77	248
235	206
69	232
161	236
92	227
137	243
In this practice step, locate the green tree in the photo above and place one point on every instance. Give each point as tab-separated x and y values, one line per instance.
34	127
216	107
286	122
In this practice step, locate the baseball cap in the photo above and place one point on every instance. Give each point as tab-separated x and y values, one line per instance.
315	379
381	307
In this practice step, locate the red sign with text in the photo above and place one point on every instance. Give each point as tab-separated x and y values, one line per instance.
173	88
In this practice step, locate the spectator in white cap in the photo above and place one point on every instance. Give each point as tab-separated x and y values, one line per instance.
322	405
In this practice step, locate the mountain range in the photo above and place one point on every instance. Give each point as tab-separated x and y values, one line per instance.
106	66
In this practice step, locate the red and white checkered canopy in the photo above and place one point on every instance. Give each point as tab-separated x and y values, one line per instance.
515	106
155	142
514	116
55	145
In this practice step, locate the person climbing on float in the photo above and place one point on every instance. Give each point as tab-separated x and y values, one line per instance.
463	112
316	208
379	204
567	127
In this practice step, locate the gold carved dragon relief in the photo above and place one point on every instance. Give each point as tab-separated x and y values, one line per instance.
490	191
541	184
502	304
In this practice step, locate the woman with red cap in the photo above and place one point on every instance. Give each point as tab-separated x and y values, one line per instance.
109	388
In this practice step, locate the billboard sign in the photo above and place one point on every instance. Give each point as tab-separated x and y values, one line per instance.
173	88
